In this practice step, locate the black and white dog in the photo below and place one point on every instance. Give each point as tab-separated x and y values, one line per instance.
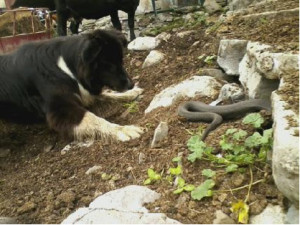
58	79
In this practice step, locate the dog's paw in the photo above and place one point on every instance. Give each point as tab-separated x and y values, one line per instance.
127	133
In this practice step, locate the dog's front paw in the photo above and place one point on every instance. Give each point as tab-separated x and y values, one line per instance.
127	133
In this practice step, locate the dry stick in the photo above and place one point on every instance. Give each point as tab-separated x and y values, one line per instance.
250	185
239	188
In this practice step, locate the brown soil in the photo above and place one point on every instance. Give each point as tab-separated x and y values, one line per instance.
40	185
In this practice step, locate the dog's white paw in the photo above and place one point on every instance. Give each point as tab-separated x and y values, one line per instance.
127	133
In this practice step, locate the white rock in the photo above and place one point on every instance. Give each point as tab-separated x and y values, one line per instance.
239	4
251	77
76	144
292	216
195	86
100	216
160	133
185	33
123	206
93	170
272	214
130	199
211	6
222	218
143	43
153	58
230	53
164	36
230	91
285	157
8	220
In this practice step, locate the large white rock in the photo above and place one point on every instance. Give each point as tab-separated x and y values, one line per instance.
260	69
285	157
230	53
272	214
122	206
212	6
130	198
153	58
197	85
143	43
100	216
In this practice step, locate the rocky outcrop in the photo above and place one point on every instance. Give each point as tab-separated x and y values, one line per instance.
194	86
230	53
122	206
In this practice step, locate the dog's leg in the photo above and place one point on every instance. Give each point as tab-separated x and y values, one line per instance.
93	127
129	95
66	115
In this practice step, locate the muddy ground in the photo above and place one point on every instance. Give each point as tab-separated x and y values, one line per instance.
40	185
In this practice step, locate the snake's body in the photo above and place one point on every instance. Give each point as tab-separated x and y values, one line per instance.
200	112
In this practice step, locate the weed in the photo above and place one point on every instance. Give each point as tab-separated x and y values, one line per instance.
132	107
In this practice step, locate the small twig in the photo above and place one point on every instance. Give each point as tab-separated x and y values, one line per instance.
239	188
250	185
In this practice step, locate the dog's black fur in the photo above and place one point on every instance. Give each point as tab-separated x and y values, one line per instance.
32	81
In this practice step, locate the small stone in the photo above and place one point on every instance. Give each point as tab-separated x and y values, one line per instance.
67	197
28	206
142	158
93	170
237	179
8	220
258	206
160	133
222	218
222	197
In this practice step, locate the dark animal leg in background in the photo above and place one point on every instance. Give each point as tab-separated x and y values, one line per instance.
115	20
154	8
131	25
75	25
62	17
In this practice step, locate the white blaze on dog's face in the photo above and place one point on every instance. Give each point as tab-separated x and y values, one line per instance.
102	63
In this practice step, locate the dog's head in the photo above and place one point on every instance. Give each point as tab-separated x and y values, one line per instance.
101	62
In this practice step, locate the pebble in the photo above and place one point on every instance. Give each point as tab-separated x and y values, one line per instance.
93	170
258	206
237	179
28	206
67	197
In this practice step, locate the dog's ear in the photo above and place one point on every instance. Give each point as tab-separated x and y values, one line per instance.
91	49
120	36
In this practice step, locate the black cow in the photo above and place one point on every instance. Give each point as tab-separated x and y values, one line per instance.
89	9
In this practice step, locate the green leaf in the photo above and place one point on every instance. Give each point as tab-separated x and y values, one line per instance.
230	131
255	119
176	159
195	143
189	187
147	181
208	173
239	134
238	149
254	140
231	168
226	145
203	190
245	159
180	182
267	137
176	171
178	191
153	175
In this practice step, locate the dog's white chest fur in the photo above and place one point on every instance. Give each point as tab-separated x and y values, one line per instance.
86	97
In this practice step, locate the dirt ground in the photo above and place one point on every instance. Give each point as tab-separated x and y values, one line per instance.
40	185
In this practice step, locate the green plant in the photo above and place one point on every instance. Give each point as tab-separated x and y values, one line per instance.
204	190
132	107
210	59
152	177
255	119
179	181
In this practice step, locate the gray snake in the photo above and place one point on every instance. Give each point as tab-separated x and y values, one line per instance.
200	112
